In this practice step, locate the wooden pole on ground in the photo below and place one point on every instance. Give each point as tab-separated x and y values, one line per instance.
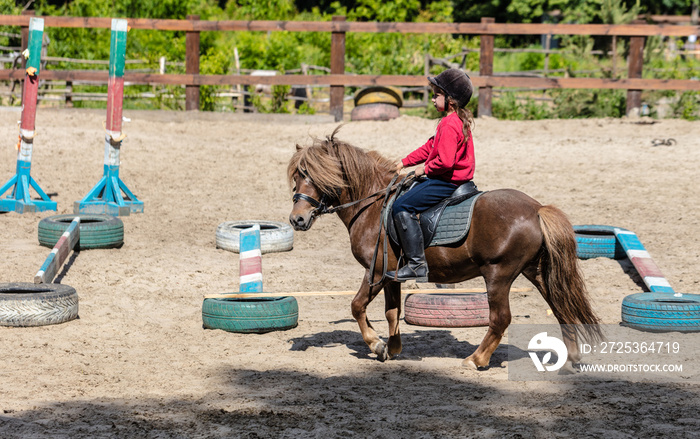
352	293
60	252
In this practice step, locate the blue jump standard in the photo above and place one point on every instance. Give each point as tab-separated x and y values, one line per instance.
19	200
106	197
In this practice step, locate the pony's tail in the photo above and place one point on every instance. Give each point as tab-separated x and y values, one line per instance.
565	289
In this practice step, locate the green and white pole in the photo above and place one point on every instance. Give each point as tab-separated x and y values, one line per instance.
106	197
19	199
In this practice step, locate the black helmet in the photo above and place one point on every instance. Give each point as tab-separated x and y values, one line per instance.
456	84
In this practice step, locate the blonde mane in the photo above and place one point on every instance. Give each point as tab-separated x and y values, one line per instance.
334	166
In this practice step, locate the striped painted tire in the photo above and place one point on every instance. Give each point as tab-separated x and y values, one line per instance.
379	94
447	310
593	241
662	312
274	236
258	315
96	231
28	304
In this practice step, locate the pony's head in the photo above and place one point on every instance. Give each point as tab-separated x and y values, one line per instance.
326	171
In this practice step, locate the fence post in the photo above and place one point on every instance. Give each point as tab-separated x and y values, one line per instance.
634	70
486	69
192	66
337	68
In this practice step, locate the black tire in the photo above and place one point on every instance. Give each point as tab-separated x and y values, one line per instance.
274	236
594	241
258	315
662	312
96	231
447	310
27	304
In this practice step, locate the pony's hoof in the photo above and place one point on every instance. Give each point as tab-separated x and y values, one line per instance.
568	369
382	351
469	364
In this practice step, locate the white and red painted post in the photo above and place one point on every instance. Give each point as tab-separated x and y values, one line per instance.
106	196
250	260
65	244
19	200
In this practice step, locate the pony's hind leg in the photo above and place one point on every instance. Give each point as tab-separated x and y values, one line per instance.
532	274
359	311
392	311
499	319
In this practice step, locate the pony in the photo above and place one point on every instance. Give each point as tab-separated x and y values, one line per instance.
510	234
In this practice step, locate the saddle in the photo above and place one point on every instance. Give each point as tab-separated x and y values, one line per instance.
445	223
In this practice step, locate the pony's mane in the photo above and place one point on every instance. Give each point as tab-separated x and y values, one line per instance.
334	165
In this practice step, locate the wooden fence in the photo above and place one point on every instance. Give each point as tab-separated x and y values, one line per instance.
486	80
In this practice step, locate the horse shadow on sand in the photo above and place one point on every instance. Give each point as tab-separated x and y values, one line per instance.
420	343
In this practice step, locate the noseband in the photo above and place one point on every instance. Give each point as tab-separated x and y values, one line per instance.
320	207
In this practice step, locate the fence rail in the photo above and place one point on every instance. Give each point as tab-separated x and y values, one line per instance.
486	80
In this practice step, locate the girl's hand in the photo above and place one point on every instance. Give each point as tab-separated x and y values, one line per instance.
399	167
420	170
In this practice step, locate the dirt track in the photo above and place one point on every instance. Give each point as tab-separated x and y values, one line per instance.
137	362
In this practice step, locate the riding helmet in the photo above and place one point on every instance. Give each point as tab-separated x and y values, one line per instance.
456	84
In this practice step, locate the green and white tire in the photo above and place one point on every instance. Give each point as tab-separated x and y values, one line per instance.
258	315
96	231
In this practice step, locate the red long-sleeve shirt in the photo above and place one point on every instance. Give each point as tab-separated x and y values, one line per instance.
443	158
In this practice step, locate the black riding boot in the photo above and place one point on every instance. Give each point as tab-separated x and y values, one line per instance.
411	237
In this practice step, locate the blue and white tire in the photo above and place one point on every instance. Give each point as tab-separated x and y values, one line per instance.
662	312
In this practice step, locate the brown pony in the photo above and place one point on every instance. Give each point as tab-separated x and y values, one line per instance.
510	234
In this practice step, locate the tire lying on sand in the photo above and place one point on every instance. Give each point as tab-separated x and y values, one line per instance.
258	315
28	304
594	241
96	231
274	236
662	312
447	310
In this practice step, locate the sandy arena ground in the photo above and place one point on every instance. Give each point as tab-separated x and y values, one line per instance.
137	363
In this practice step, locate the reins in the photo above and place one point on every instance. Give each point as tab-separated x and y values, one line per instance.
386	233
321	208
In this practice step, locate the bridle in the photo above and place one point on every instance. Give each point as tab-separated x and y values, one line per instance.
322	206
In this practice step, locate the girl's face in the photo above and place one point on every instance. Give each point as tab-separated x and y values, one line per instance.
439	100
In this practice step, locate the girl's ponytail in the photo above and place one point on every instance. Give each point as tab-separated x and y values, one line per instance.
465	116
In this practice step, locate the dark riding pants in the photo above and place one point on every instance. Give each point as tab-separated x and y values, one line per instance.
423	196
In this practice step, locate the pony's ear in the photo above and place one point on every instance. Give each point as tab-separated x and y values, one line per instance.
299	147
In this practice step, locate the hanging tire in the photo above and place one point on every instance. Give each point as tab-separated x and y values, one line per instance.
96	231
28	304
258	315
662	312
447	310
274	236
593	241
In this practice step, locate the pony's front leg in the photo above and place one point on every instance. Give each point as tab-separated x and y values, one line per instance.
392	311
359	311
